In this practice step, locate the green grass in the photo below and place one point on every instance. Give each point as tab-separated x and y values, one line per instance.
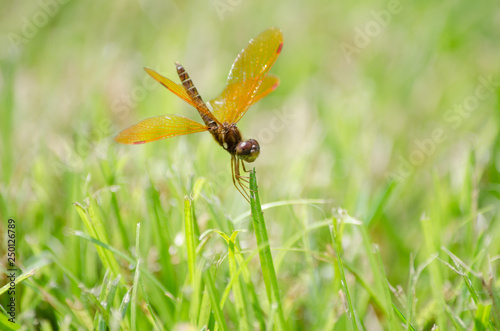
378	177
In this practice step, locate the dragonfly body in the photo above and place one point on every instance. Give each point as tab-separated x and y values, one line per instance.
227	135
248	82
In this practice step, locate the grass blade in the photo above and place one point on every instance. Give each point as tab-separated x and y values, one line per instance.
96	229
190	237
337	246
429	230
237	290
214	299
266	259
135	285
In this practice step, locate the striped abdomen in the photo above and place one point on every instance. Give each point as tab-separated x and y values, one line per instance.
188	85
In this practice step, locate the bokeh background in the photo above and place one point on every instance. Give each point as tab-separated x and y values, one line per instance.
386	109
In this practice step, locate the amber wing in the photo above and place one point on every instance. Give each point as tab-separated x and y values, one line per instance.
160	127
248	81
178	90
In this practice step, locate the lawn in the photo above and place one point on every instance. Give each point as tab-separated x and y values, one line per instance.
378	176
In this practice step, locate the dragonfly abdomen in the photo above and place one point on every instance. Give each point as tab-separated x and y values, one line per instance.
188	85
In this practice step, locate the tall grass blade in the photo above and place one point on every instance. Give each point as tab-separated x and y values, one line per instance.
338	249
190	237
435	270
482	318
135	285
214	299
241	308
96	229
266	259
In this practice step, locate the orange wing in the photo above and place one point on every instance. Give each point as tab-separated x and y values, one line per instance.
246	82
160	127
269	84
178	90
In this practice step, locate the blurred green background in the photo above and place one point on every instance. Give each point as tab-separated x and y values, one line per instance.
386	109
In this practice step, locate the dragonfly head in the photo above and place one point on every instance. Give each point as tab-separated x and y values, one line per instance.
248	150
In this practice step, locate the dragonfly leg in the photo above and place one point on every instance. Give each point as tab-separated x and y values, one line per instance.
244	169
235	174
244	178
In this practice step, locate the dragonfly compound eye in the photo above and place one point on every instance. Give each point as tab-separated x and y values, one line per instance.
248	150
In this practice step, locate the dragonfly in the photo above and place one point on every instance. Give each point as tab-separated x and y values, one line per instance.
248	82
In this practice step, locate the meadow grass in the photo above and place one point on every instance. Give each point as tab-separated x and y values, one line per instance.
378	199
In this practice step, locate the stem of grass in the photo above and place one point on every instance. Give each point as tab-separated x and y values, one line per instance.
190	237
266	259
135	285
336	244
214	299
